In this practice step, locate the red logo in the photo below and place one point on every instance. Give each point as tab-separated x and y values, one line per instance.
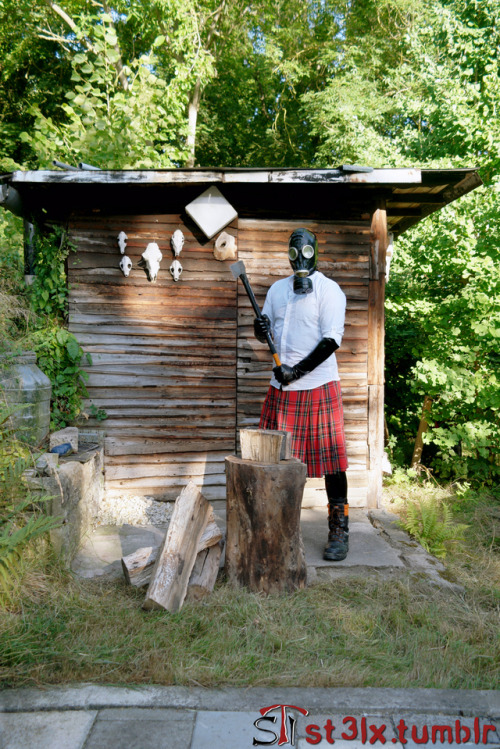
284	737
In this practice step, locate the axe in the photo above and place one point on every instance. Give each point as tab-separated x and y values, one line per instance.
238	271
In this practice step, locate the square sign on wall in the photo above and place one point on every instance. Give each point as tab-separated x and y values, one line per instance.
211	211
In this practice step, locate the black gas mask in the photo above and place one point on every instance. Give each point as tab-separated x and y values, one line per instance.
303	256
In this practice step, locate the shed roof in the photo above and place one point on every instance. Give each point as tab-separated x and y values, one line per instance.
410	194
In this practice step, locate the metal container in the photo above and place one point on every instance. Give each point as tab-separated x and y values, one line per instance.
25	386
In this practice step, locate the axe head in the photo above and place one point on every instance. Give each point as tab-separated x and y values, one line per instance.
238	269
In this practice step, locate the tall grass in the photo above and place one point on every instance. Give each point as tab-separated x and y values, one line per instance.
399	633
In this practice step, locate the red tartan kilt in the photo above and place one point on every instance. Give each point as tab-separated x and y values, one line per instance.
315	419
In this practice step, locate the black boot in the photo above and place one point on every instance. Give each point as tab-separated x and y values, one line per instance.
338	532
338	517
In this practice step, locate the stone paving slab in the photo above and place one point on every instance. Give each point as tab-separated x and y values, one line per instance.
376	546
45	730
101	552
94	717
139	728
367	547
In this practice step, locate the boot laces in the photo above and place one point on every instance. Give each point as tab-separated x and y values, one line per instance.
335	524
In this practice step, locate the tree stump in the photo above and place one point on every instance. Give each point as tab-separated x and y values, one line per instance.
264	549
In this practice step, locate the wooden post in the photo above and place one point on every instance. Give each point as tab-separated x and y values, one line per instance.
264	549
376	340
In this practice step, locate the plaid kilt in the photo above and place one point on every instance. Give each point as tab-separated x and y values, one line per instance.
315	419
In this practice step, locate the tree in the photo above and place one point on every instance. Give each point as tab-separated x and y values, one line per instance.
443	299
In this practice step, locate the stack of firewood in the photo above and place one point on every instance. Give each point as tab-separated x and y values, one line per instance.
185	566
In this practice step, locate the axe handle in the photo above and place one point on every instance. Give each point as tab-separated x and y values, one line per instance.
257	311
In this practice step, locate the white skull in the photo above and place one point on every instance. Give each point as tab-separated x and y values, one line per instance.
176	270
125	265
225	247
177	242
122	241
151	258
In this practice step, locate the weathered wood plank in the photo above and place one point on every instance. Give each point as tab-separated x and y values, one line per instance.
123	446
172	570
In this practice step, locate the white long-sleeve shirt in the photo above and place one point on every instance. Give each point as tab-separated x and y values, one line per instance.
300	321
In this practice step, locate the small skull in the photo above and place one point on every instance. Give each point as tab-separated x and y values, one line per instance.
122	241
176	270
125	265
177	242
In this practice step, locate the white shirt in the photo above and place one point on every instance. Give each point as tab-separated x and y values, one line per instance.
300	321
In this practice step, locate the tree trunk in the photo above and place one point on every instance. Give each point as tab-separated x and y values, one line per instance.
423	427
193	109
264	549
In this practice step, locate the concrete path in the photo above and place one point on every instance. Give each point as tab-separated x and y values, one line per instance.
93	717
376	547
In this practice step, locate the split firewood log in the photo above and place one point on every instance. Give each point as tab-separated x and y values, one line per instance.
177	555
137	567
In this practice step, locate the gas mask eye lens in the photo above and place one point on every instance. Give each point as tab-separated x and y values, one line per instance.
292	253
308	251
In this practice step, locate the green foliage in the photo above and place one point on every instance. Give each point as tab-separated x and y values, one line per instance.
443	326
59	357
20	524
15	316
21	520
49	292
97	413
59	354
380	82
431	523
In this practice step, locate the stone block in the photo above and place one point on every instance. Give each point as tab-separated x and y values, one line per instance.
69	434
77	501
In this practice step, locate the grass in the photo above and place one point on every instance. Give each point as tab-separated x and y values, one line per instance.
404	633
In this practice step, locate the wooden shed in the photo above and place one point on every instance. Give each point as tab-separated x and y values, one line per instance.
175	364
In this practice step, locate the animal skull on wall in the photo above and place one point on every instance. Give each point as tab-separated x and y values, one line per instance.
151	258
177	242
125	265
225	247
122	241
176	270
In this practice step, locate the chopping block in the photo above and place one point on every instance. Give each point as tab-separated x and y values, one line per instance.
264	549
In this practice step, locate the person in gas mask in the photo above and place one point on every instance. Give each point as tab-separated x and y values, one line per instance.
305	315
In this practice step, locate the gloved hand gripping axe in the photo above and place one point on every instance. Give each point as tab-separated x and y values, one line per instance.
238	271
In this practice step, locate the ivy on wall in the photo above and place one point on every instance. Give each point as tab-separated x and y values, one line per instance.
58	351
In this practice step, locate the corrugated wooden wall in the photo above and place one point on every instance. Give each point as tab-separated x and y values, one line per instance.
164	355
344	256
176	366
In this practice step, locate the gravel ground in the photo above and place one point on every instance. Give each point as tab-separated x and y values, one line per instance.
134	511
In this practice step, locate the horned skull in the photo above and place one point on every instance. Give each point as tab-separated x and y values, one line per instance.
122	241
176	270
125	265
151	258
177	242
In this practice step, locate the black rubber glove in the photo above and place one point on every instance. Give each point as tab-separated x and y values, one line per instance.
261	326
286	374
